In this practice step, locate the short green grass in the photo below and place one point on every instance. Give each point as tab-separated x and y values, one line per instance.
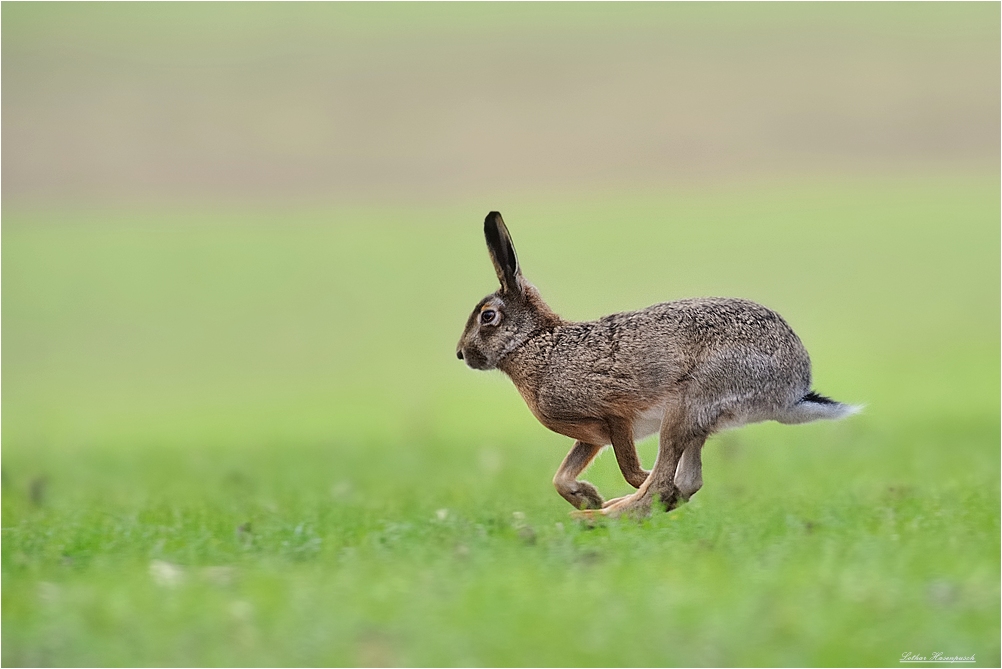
238	437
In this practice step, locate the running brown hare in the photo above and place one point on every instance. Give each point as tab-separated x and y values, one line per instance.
685	369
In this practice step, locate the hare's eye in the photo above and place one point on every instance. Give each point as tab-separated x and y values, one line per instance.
487	316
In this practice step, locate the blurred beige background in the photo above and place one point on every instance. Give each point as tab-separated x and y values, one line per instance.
345	102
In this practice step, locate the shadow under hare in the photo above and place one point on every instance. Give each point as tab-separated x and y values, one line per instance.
684	369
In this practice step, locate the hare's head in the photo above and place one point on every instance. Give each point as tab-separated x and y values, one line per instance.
505	319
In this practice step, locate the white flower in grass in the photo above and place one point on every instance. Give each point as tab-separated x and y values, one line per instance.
166	574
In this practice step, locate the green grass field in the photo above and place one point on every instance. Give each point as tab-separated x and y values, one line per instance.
242	437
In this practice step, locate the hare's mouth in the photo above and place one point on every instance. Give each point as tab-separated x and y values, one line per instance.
473	359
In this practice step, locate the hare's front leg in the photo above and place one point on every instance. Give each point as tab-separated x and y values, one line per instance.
679	434
581	494
621	433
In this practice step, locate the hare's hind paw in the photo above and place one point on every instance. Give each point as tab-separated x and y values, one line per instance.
634	506
637	505
614	500
587	514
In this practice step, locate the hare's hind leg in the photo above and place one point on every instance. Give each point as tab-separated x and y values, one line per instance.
689	473
581	494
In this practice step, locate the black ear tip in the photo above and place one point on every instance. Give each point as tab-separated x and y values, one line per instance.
494	226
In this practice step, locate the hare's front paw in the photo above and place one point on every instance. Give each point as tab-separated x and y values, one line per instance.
581	495
637	478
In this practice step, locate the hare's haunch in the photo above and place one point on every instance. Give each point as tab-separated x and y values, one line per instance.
684	369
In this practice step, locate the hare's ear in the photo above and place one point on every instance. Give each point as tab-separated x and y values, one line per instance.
502	253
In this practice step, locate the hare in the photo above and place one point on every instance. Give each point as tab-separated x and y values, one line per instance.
685	369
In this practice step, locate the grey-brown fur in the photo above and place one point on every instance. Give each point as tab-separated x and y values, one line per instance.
684	369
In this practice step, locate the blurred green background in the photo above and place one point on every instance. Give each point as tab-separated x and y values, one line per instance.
240	242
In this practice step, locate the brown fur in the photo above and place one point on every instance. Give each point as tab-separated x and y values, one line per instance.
698	364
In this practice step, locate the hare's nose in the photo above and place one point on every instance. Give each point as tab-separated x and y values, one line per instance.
459	353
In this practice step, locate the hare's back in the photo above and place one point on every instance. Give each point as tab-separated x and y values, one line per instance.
738	353
707	323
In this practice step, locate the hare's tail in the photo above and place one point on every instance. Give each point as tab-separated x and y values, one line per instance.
813	406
